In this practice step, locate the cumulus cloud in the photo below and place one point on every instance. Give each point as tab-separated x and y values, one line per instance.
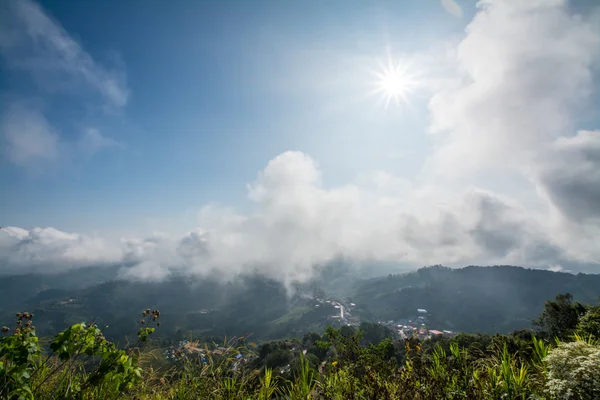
570	175
31	40
299	224
47	250
527	67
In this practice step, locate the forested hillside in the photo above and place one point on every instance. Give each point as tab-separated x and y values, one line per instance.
471	299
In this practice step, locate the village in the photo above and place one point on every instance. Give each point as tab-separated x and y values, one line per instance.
415	326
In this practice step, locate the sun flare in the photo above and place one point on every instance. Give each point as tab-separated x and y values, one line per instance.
394	82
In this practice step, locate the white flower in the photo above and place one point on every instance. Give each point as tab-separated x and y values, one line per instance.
574	371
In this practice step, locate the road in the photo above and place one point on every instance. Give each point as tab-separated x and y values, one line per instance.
340	306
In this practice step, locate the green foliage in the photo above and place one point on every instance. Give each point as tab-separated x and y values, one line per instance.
19	354
347	363
304	384
81	362
560	317
589	324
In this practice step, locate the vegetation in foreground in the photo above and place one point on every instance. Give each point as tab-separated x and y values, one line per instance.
560	361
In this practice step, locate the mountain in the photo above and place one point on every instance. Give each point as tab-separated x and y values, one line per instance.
471	299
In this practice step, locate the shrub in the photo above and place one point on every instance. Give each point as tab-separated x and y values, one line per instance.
573	371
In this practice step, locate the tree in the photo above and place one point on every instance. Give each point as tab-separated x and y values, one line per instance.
375	333
589	324
560	317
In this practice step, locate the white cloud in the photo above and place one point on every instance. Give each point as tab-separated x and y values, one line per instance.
527	68
47	250
555	268
452	7
526	65
29	138
299	224
31	40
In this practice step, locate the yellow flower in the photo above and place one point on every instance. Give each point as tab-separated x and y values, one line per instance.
335	363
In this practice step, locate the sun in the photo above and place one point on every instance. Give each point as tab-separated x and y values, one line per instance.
394	81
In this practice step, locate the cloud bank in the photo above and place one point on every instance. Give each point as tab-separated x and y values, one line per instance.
525	69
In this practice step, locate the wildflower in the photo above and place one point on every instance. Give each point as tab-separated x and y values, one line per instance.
335	363
573	370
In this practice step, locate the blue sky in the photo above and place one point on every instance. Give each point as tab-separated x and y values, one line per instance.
215	90
123	119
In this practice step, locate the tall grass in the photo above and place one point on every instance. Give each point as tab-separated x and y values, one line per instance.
228	371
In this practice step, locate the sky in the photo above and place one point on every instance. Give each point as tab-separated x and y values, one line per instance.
224	137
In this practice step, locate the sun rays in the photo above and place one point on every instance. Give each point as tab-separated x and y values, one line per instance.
394	81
